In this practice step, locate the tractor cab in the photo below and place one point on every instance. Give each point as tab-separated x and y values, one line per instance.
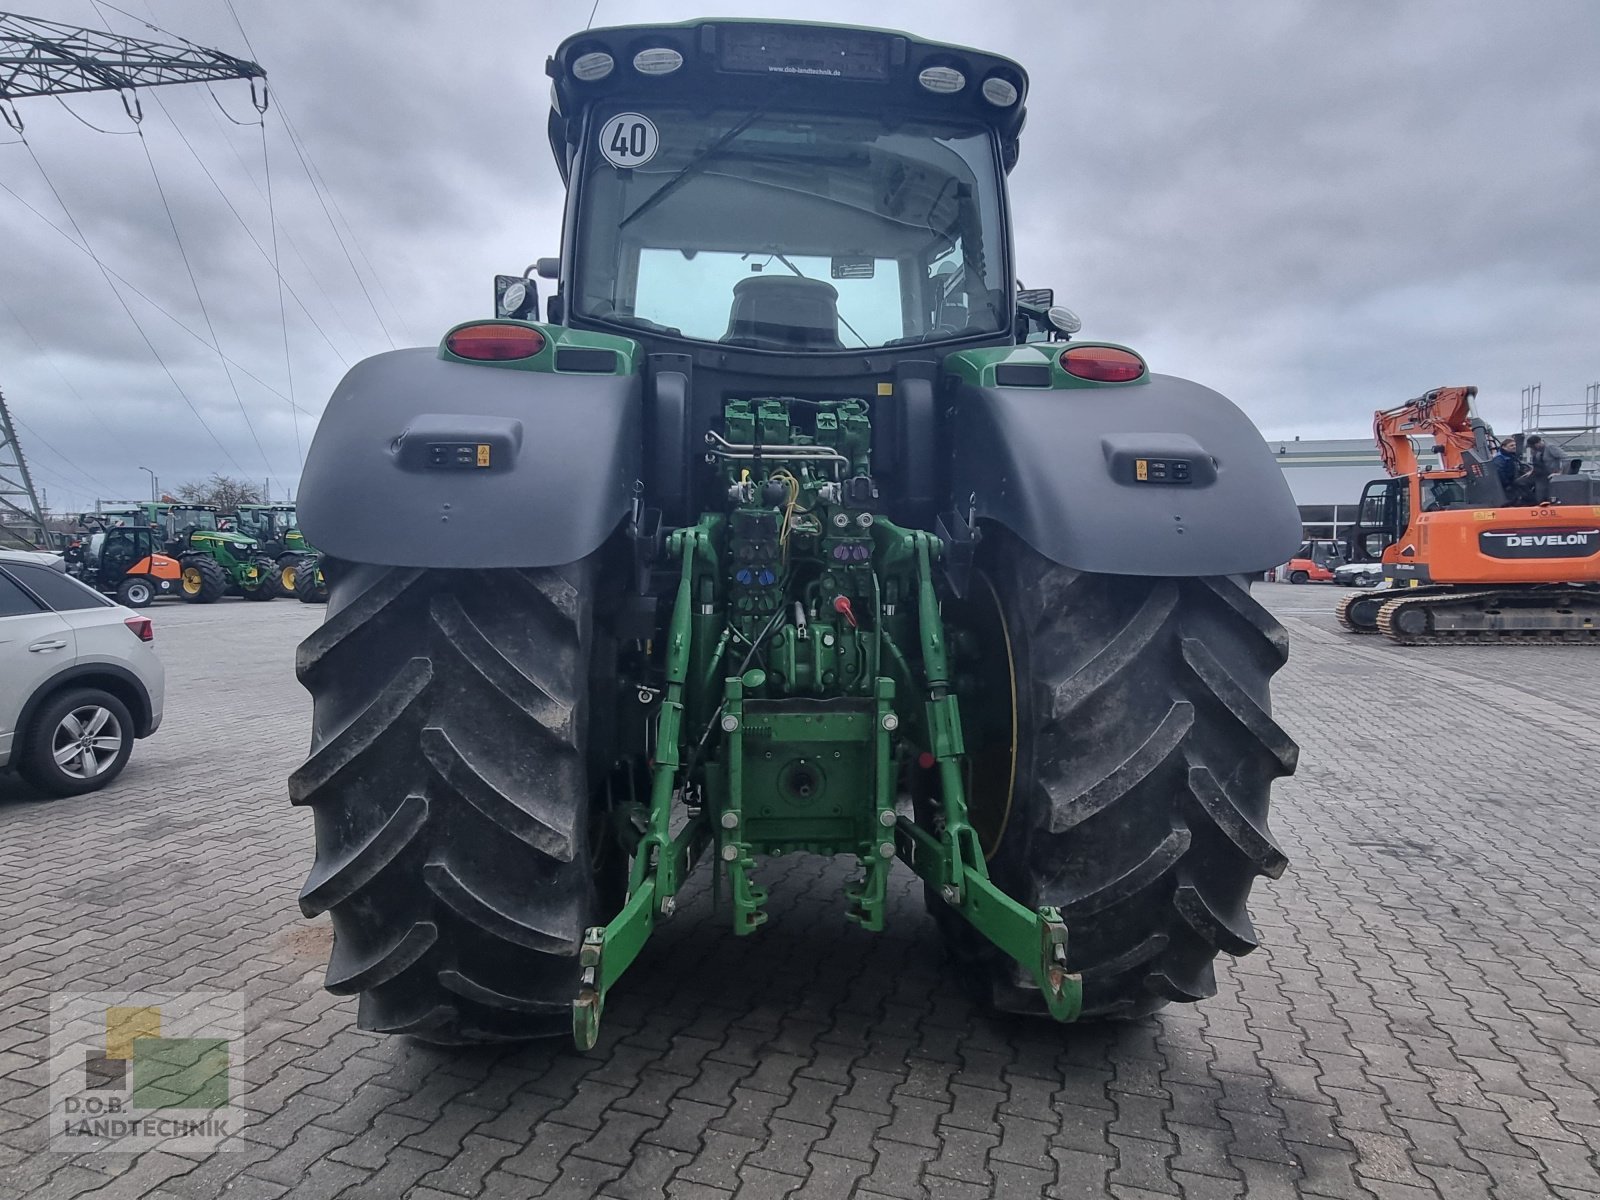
121	548
793	190
178	520
807	210
265	522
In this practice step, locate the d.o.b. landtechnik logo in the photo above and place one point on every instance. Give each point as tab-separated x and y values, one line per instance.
142	1070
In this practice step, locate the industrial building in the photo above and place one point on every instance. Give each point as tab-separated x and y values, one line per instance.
1326	476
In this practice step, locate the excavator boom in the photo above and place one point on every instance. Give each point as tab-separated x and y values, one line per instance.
1445	414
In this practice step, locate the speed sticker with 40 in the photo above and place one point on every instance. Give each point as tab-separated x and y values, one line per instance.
629	140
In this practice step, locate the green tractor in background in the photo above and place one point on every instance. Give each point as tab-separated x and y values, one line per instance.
789	524
277	533
216	562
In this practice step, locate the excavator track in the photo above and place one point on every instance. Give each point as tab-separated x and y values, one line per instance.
1358	612
1555	616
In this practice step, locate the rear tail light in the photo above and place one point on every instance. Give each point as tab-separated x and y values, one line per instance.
1103	364
495	343
143	628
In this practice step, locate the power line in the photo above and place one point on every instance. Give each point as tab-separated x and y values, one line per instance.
54	366
272	223
200	299
294	246
316	188
260	120
272	259
151	301
90	124
40	439
125	308
324	200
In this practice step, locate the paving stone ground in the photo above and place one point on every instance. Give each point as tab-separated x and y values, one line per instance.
1419	1022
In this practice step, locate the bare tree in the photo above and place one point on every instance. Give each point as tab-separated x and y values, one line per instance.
226	492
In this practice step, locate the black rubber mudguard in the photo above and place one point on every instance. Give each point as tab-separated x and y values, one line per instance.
1062	470
420	462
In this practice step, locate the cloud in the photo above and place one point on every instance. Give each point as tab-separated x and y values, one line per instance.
1317	208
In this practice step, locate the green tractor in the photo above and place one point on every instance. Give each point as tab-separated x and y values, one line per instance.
277	533
789	525
216	562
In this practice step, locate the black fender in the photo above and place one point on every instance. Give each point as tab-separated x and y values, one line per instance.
394	478
1060	469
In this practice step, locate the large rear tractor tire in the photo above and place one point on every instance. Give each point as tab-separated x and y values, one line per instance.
201	580
1122	750
450	788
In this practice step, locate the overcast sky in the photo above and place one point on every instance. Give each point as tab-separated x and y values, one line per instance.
1317	208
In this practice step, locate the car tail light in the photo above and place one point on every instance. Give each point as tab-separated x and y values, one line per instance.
1103	364
143	628
495	343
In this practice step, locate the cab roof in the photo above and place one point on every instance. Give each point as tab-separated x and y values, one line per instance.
807	66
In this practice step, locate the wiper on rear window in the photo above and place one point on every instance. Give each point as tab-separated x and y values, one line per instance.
694	164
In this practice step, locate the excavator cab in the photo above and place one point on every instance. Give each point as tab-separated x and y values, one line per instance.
1385	511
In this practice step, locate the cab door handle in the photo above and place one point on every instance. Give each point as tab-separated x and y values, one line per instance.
55	645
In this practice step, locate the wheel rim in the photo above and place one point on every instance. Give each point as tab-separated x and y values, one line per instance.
86	742
139	593
193	581
287	579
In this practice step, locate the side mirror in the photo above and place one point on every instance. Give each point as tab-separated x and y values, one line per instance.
516	297
548	268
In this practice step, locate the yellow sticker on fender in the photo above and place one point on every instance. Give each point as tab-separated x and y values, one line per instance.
1483	515
1141	468
483	454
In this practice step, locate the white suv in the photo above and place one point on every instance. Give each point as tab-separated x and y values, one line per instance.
79	677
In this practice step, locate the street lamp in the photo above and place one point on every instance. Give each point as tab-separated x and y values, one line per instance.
153	497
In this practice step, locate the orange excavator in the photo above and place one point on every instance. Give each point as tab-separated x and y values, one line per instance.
1461	563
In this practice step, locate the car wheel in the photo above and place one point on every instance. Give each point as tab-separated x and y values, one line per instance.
1298	577
135	592
78	742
